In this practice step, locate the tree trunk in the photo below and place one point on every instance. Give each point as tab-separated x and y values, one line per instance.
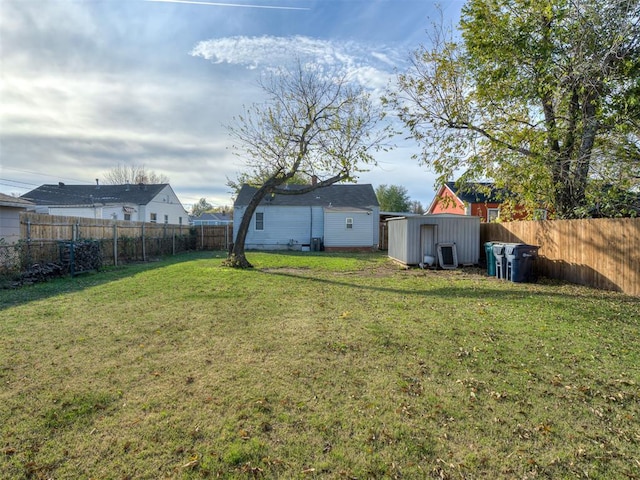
237	257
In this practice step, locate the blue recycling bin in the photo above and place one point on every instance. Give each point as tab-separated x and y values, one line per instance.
491	259
519	261
500	260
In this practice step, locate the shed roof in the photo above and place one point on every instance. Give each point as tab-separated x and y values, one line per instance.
9	201
339	195
61	194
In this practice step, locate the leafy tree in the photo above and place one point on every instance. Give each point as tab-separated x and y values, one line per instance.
543	96
417	207
393	198
314	125
200	207
133	174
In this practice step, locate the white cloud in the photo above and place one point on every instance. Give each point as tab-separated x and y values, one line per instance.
372	69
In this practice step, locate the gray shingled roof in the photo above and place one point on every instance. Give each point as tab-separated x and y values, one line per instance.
337	195
476	192
62	194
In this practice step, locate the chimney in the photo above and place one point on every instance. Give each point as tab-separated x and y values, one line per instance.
314	180
97	183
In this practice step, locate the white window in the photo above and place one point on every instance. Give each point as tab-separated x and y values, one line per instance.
127	216
154	217
493	214
349	222
166	219
259	221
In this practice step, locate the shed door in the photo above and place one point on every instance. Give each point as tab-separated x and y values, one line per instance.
428	240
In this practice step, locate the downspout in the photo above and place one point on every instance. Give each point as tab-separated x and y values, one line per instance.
311	226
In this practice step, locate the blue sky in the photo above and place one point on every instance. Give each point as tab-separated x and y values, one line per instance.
90	85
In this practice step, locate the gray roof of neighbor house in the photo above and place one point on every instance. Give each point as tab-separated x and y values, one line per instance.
61	194
9	201
213	217
337	195
476	192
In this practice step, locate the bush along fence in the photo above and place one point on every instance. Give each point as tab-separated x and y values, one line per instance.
78	244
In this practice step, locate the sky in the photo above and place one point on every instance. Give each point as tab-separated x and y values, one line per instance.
90	85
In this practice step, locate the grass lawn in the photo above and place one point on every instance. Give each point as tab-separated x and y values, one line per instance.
316	366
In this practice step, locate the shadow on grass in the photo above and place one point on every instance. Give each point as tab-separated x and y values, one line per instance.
454	292
67	284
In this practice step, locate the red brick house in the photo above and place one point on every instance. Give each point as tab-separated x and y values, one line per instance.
476	199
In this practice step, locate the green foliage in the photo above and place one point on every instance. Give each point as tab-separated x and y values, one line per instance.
393	198
200	207
539	96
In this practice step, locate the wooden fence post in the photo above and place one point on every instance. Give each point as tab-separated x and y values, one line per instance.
115	244
144	251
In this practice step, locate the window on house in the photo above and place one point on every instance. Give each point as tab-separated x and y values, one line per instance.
349	222
259	221
179	220
153	217
127	216
166	219
493	214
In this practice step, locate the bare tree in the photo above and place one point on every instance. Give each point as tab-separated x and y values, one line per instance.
312	125
133	174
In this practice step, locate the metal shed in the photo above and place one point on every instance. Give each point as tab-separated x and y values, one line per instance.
414	237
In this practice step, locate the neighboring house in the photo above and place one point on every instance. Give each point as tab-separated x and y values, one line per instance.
10	209
155	203
476	199
340	217
211	219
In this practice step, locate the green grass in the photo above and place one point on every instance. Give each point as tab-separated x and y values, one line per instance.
316	366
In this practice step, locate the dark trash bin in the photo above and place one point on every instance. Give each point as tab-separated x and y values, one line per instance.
491	259
500	260
519	262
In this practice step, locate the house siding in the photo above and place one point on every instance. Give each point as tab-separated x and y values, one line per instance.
285	228
447	202
363	233
165	203
10	224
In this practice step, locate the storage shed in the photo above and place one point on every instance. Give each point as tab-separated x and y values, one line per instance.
414	239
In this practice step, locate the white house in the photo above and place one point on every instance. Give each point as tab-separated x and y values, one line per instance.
156	203
10	208
211	218
338	217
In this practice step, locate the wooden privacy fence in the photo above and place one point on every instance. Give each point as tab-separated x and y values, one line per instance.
120	241
601	253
